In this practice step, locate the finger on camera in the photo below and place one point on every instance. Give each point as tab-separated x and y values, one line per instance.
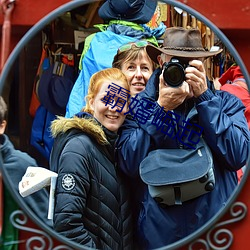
198	64
192	77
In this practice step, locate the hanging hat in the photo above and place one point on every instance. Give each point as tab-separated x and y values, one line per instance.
181	42
138	11
55	87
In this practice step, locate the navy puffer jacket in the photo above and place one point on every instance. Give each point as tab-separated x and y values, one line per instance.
91	205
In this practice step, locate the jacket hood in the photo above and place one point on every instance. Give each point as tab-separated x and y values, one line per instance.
84	122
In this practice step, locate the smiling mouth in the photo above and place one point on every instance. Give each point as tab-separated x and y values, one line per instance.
138	84
112	117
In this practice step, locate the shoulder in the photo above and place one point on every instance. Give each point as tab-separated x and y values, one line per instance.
21	159
12	155
80	143
77	150
229	99
220	99
129	122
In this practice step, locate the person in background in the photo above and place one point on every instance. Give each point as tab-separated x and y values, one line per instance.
233	81
124	22
91	199
225	131
15	163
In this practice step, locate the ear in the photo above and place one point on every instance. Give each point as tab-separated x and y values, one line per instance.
91	104
2	127
160	61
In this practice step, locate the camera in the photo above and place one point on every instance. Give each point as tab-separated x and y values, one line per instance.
174	71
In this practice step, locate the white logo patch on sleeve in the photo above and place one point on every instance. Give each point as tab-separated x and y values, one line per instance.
68	182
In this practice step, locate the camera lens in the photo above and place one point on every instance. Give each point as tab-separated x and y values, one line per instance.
174	73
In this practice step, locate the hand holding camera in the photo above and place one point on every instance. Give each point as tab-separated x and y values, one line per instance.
174	71
178	70
196	77
170	98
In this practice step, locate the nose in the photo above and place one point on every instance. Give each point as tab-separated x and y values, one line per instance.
112	108
138	72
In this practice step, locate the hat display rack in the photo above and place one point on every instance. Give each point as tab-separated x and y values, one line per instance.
168	14
59	34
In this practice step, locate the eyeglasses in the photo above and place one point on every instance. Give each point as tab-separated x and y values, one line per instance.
128	46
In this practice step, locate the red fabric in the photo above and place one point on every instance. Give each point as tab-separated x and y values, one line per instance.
239	174
238	87
35	102
242	94
233	82
231	75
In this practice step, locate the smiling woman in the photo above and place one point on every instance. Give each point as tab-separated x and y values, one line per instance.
135	63
109	111
16	63
95	210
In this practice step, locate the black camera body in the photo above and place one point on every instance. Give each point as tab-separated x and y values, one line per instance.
174	71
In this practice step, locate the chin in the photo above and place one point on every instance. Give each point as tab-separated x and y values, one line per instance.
112	128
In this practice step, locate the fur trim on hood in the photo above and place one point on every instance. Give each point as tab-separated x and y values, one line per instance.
88	125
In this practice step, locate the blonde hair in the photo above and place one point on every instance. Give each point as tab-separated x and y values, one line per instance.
97	79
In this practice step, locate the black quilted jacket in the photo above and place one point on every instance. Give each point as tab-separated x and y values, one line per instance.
91	202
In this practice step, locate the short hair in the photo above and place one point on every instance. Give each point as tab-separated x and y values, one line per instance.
3	110
96	81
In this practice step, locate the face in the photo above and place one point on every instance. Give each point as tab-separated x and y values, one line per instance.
105	114
2	127
138	72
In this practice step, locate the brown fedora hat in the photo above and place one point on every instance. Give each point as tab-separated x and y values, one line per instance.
181	42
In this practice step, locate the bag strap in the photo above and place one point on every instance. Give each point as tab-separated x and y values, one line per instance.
193	112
